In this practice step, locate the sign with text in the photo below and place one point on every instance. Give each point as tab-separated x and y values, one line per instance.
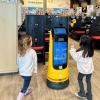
58	4
50	3
33	3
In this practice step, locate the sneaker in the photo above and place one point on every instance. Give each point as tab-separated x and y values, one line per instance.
89	96
28	92
80	96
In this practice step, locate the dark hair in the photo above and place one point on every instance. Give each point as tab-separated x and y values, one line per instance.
86	44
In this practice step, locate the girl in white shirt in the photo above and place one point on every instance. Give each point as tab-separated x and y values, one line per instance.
83	57
27	63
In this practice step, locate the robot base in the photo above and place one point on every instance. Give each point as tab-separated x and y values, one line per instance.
57	85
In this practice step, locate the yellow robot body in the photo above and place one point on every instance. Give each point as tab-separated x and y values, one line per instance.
56	78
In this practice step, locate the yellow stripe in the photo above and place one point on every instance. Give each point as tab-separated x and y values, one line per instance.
57	80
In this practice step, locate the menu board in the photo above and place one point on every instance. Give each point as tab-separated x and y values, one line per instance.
33	3
49	3
8	1
52	7
58	4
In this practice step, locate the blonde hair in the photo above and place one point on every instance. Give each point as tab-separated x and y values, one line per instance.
24	43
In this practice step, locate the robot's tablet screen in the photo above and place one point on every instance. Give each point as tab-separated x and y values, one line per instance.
59	31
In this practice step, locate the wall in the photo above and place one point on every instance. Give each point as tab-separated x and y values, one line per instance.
8	37
19	13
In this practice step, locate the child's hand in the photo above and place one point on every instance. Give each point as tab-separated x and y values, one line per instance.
35	79
35	74
72	44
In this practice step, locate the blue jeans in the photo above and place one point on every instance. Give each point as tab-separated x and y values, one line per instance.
26	84
81	86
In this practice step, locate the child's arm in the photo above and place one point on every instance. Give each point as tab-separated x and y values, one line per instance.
17	61
35	63
73	52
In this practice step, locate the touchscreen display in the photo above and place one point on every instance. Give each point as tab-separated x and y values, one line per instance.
60	53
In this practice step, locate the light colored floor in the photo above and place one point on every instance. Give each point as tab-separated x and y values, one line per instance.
10	84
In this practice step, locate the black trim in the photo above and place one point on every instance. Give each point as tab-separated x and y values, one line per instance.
57	85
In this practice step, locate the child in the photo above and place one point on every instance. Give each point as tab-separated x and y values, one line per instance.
27	62
83	57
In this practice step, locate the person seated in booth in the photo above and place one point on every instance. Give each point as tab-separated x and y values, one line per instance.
73	10
97	8
75	5
98	4
84	8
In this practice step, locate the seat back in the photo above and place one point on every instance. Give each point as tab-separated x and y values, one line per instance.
95	26
35	27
